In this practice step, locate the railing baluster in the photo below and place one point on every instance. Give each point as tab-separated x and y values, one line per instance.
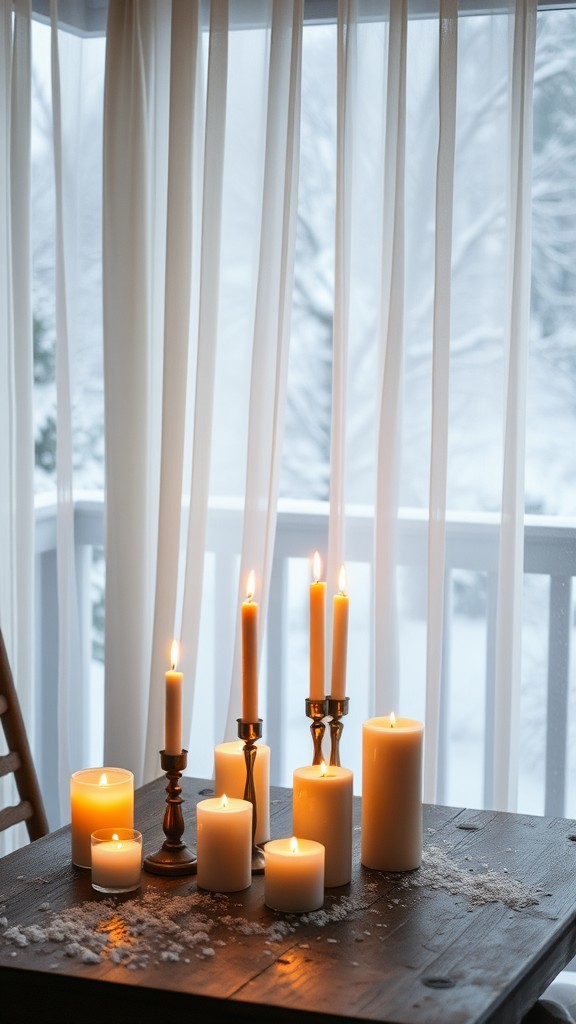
557	694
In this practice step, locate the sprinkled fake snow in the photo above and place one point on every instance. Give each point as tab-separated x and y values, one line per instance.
438	871
157	927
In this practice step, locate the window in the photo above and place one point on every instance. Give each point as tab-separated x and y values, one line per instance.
477	356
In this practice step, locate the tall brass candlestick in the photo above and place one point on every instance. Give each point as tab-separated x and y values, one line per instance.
249	732
337	708
173	857
317	710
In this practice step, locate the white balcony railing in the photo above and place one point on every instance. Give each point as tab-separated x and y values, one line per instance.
471	547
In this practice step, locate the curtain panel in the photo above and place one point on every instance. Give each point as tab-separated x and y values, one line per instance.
203	202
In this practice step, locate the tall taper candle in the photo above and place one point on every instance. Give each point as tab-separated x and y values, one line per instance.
173	716
250	653
317	631
340	639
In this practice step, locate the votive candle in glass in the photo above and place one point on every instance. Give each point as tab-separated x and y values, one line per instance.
116	859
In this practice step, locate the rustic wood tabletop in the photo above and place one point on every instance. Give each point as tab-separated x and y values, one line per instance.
474	935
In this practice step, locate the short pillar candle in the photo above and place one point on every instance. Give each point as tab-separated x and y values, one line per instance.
224	844
322	800
99	798
391	822
294	875
230	778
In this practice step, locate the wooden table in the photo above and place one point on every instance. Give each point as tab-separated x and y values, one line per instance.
386	948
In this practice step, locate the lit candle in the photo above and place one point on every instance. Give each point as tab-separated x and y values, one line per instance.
339	639
250	654
99	798
173	717
116	859
322	810
391	829
317	629
230	778
224	844
294	875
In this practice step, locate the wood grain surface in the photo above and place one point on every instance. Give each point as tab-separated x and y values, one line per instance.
401	952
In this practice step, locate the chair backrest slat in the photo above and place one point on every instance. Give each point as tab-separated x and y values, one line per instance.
18	761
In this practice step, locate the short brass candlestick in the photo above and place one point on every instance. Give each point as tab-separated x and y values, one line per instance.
173	857
337	708
250	732
317	710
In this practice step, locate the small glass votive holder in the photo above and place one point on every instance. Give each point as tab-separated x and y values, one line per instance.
116	859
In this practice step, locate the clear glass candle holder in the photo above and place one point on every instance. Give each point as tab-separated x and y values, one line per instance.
116	859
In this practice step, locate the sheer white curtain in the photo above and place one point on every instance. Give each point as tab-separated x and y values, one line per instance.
200	184
16	377
437	151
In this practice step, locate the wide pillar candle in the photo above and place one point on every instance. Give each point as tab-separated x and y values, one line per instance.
391	822
224	844
294	875
99	798
322	800
230	778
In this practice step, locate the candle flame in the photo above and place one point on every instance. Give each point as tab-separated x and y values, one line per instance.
251	587
392	719
174	652
224	802
316	567
323	770
103	780
293	845
115	837
342	580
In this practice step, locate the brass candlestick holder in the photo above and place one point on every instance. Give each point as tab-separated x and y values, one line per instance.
249	732
337	708
317	710
173	857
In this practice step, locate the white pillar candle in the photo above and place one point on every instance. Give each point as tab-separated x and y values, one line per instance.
294	875
391	829
224	844
116	859
322	801
173	715
230	778
99	798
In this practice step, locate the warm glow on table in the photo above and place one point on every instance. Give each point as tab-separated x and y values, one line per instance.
322	801
230	778
173	716
340	608
250	653
317	632
99	798
391	831
224	844
294	875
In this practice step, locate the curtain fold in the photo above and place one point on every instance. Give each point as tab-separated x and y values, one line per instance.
447	75
511	555
16	376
